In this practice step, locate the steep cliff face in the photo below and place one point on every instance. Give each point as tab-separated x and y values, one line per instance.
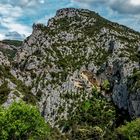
52	59
11	87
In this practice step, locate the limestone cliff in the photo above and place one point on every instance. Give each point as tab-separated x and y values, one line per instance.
77	40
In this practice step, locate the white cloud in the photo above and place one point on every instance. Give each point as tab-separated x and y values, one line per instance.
45	19
125	12
135	2
9	16
7	10
42	1
121	6
14	15
2	36
14	26
24	3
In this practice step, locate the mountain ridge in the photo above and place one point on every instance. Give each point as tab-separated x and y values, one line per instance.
71	31
53	58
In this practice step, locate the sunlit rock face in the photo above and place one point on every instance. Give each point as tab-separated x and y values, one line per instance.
4	60
77	40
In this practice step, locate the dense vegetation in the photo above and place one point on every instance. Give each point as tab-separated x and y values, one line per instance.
96	119
22	122
16	43
4	91
92	119
130	131
134	81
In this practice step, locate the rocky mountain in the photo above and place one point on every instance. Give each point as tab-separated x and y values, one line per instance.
58	65
10	47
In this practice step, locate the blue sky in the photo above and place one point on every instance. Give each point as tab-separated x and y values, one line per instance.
19	15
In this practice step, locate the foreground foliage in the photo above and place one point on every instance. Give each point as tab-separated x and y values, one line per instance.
22	122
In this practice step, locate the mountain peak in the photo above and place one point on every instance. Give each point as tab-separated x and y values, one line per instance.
78	44
70	11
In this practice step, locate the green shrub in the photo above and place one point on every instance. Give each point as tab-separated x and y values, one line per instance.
134	82
106	85
16	43
22	122
88	132
4	91
131	130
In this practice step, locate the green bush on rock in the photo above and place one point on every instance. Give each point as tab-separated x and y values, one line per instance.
106	85
21	121
4	91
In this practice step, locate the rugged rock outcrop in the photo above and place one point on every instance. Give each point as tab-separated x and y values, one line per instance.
76	40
